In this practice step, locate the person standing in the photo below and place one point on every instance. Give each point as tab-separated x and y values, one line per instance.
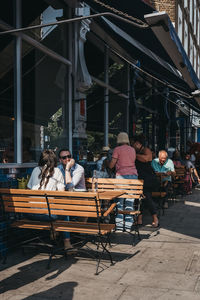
145	172
73	173
123	159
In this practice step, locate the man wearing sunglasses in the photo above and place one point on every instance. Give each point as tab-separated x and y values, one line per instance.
73	173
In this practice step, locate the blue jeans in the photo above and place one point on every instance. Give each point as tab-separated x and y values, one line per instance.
129	205
40	217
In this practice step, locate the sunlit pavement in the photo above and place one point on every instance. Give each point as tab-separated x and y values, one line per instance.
165	264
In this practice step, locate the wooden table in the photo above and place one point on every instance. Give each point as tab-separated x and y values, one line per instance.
109	195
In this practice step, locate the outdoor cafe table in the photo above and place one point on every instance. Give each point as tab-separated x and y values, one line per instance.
103	195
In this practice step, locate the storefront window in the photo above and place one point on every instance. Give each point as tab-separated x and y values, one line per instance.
6	99
44	100
43	81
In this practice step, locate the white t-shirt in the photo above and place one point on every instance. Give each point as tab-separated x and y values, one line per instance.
56	182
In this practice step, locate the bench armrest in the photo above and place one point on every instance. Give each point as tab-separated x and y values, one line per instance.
110	209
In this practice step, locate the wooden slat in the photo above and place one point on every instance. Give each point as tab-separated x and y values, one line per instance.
23	199
119	181
110	209
129	212
26	210
75	213
25	204
130	196
73	207
31	224
49	193
72	201
119	187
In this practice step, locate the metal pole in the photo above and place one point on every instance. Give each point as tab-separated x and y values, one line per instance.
18	88
36	44
69	85
106	97
128	99
11	30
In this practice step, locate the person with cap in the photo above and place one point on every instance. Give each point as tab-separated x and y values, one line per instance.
123	159
103	156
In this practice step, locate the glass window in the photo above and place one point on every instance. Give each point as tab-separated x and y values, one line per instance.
44	92
6	99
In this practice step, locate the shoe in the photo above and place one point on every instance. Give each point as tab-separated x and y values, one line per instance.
119	230
155	224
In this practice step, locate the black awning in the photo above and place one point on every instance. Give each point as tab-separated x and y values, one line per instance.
141	44
136	9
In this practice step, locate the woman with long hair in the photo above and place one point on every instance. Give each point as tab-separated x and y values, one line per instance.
48	177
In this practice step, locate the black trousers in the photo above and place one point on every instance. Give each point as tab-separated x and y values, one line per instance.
148	203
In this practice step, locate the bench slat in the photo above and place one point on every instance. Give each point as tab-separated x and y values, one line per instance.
22	198
57	200
89	228
119	187
74	213
27	210
116	181
129	212
57	207
24	204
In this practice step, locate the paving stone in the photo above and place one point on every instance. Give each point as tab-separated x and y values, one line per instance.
164	265
185	282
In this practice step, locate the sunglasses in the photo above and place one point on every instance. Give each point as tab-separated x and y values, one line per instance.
66	156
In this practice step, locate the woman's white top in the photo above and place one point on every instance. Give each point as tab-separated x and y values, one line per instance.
56	182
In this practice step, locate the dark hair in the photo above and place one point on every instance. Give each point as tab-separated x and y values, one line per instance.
187	153
176	155
63	149
139	138
47	162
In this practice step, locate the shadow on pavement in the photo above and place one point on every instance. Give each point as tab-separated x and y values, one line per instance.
63	290
32	272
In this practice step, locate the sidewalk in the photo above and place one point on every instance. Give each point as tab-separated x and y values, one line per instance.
164	265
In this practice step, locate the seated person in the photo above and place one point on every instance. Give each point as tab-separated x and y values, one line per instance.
176	158
48	177
180	173
73	173
8	156
164	166
191	175
103	156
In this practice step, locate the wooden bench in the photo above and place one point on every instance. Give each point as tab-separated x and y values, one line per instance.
131	189
49	203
